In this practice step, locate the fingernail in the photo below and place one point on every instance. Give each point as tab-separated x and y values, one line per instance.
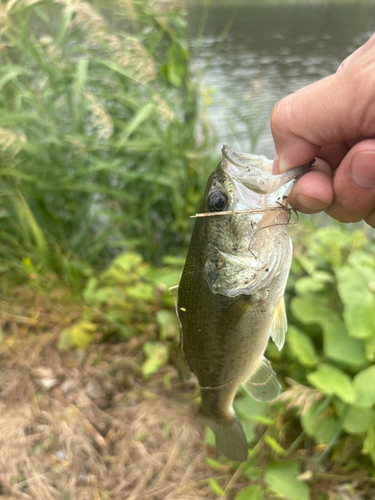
362	169
275	166
310	203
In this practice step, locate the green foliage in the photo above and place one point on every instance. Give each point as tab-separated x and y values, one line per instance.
157	356
79	335
330	380
332	331
121	302
301	347
253	492
99	148
281	478
330	346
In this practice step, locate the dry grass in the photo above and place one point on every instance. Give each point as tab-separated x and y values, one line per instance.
83	425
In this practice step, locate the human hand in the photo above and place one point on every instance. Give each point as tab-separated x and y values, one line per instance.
334	121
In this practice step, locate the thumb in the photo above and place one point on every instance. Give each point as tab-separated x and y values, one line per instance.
338	108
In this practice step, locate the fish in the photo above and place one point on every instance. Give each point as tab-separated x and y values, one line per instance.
230	299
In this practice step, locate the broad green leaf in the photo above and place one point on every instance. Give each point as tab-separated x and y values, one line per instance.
253	473
281	478
253	492
359	302
247	407
306	309
328	242
249	430
318	424
307	263
331	380
337	345
364	387
307	285
370	348
301	347
360	318
157	356
358	420
368	272
362	258
314	283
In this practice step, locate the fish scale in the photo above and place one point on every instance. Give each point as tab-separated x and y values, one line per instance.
230	298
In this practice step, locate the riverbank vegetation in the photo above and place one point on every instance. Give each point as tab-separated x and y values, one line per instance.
105	150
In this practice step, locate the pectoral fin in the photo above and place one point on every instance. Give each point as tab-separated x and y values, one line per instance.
279	324
235	314
262	384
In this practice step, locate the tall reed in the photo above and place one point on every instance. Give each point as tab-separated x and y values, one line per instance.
100	134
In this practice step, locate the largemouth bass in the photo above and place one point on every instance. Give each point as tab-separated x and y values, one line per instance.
231	294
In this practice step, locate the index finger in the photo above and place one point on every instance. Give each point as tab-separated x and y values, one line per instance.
338	108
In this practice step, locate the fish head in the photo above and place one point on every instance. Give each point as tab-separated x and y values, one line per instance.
245	229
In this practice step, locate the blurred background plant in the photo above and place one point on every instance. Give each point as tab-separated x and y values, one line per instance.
99	150
105	147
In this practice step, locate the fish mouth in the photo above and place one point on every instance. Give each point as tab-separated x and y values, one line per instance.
285	181
254	172
246	160
247	169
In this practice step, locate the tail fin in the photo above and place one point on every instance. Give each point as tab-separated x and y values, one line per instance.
230	437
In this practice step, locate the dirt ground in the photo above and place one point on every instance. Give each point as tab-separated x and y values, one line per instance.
84	425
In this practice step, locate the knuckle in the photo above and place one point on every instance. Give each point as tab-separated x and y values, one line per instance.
281	116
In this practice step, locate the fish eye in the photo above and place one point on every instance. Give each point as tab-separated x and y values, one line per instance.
217	201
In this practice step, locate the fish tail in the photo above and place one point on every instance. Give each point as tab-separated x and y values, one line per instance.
230	437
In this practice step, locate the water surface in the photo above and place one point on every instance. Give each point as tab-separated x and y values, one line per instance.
272	49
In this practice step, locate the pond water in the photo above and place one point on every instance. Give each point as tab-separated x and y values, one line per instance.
271	50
